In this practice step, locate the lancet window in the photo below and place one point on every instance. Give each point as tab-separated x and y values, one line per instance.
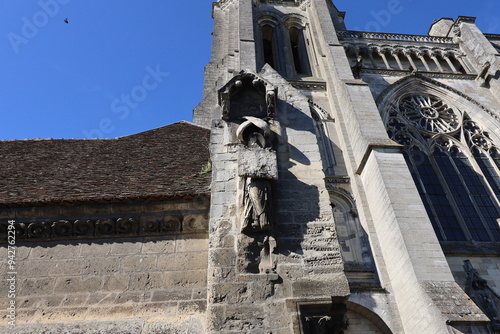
321	120
268	45
455	165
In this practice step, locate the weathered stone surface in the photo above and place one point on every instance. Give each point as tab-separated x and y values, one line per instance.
122	327
181	325
257	163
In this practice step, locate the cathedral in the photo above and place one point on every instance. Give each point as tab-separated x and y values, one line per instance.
331	182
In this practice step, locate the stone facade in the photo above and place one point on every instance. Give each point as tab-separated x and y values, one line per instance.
354	189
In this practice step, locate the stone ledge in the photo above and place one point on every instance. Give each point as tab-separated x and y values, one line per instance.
453	303
130	326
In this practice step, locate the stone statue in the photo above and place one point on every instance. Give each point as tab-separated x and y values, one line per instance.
356	69
257	164
271	103
484	77
256	203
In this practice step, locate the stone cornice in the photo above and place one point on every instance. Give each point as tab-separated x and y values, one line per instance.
308	85
301	3
495	37
455	76
337	179
157	224
385	37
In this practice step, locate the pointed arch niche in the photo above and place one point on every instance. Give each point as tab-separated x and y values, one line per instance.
453	158
353	239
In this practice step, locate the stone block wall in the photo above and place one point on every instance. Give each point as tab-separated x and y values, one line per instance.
94	282
103	279
487	267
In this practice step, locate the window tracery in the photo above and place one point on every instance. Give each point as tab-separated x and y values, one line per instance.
455	165
429	113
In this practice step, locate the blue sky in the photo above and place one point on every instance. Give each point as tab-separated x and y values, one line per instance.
125	66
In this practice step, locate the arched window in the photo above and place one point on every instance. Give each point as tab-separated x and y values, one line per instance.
268	45
268	36
321	120
357	257
454	163
299	51
281	42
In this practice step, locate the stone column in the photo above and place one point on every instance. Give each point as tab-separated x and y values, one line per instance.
446	57
381	52
408	53
395	54
433	56
421	55
370	54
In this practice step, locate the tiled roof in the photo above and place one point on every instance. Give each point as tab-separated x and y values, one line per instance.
164	162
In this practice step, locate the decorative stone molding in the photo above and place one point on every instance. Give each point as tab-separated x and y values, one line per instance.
298	3
393	37
141	226
337	180
429	74
321	113
492	36
308	85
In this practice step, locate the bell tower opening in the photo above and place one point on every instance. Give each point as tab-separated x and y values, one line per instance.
268	45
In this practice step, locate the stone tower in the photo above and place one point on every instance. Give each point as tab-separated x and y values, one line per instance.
317	222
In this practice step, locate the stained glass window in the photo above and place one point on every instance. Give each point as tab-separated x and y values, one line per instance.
455	166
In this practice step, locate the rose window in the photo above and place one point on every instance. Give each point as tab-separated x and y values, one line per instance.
429	113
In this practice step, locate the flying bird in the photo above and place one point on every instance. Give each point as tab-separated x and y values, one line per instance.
66	20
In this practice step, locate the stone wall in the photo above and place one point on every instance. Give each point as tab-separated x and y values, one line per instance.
307	259
90	283
487	267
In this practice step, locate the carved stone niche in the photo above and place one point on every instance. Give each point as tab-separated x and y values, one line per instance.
247	95
323	318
